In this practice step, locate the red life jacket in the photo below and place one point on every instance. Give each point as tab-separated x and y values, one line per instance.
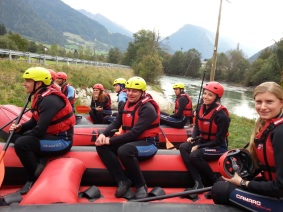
188	111
63	120
65	92
264	149
207	126
131	115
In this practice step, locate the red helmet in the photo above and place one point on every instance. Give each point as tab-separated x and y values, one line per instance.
98	86
214	87
61	75
53	74
239	160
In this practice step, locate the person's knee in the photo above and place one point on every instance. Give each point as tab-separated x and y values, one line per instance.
195	156
182	147
125	151
20	143
220	192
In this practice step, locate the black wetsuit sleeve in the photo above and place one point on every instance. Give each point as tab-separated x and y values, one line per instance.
147	115
222	121
272	188
183	101
48	107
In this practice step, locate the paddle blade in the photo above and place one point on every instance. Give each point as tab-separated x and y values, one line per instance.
119	131
2	167
82	109
169	145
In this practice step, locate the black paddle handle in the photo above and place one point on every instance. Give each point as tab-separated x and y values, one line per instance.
179	194
17	122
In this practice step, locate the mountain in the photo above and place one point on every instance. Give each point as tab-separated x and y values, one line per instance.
108	24
47	21
19	17
53	21
191	36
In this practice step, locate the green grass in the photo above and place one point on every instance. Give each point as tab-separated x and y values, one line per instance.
12	91
240	131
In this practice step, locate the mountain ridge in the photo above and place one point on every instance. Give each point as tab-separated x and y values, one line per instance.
47	21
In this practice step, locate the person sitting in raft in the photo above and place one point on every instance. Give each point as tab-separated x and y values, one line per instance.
119	88
263	192
53	79
49	132
183	109
212	123
67	89
139	118
100	104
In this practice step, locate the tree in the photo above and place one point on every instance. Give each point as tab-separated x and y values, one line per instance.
54	50
176	64
21	43
149	68
7	43
192	63
238	66
2	29
144	46
114	56
32	47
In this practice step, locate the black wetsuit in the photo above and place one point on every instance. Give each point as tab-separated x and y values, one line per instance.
208	150
127	148
32	142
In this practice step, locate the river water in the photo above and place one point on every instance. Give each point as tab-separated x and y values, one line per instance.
238	100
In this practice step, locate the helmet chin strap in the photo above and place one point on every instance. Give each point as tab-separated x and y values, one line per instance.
36	89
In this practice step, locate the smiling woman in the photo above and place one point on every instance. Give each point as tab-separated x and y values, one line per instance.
266	149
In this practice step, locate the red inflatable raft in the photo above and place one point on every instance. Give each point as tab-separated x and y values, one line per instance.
85	132
67	184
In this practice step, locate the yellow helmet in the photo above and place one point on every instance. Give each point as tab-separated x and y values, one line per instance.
179	85
136	83
38	74
119	81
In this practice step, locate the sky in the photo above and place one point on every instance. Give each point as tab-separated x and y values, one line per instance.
252	23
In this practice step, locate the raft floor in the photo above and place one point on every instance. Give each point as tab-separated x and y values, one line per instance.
109	203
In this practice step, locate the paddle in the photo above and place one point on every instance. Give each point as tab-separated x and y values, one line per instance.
169	145
2	154
13	120
178	194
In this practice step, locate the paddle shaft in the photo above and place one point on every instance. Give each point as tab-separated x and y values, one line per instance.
179	194
12	132
168	143
13	120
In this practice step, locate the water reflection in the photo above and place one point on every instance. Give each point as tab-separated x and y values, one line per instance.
238	100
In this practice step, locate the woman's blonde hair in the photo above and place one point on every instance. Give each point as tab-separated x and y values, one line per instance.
270	87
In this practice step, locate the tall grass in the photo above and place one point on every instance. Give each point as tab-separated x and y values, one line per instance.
12	91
